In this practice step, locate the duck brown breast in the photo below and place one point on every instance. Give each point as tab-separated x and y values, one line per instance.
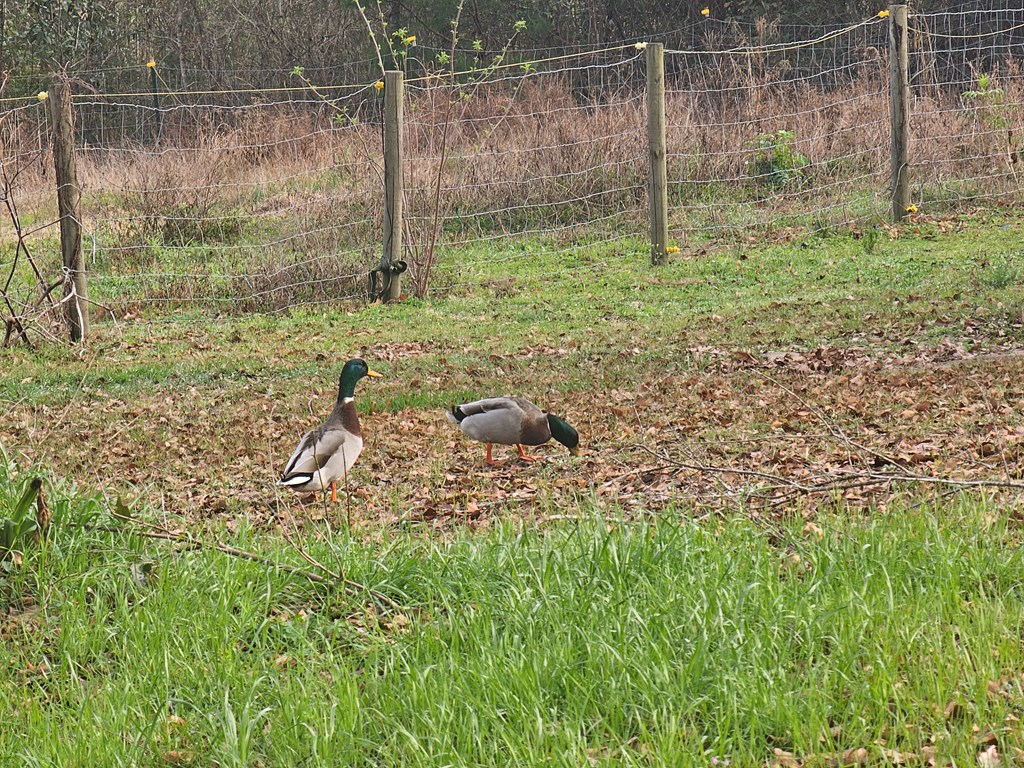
350	418
535	431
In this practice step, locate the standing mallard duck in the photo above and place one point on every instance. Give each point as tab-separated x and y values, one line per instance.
512	421
326	454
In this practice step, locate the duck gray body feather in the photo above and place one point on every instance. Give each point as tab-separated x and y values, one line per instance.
502	420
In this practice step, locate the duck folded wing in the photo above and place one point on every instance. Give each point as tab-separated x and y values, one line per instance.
321	448
478	407
518	405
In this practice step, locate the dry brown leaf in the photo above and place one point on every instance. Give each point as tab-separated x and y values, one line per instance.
812	529
784	759
954	711
847	757
989	758
177	757
894	757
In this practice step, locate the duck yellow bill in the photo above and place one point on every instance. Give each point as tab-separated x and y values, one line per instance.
575	451
371	372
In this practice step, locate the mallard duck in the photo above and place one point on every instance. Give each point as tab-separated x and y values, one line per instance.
512	421
326	454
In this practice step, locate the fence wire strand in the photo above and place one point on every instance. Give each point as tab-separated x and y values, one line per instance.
269	198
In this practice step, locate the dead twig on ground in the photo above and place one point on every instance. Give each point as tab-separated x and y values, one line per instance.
835	431
848	480
187	542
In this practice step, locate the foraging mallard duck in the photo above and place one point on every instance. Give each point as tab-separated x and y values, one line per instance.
326	454
512	421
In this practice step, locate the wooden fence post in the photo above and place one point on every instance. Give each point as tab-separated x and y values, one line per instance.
154	85
69	198
658	188
391	264
899	110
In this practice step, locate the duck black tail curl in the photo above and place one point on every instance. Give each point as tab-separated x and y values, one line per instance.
455	415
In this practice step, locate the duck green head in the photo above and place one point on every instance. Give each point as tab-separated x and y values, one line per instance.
353	371
563	432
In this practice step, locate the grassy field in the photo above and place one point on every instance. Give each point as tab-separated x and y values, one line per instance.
792	536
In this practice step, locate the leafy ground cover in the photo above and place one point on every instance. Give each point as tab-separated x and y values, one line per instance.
792	537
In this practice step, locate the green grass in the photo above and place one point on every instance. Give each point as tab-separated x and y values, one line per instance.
569	630
653	642
929	283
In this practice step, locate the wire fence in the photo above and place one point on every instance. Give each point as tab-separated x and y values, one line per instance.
268	198
968	116
249	207
523	160
774	139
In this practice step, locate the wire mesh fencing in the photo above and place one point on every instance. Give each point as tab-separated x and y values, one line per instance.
237	207
499	170
256	206
771	139
269	196
968	110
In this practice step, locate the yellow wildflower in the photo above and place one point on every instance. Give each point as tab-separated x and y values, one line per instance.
911	208
151	64
883	14
672	249
379	85
410	40
42	96
705	11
